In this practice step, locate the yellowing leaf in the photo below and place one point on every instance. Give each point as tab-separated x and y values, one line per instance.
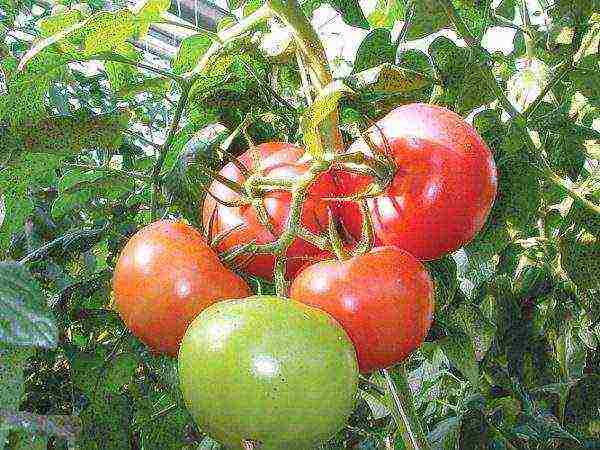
323	106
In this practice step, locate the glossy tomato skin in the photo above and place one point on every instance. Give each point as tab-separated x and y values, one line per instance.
275	159
165	275
268	369
444	186
383	299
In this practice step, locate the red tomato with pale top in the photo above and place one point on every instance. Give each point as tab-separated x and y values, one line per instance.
443	189
383	299
165	275
276	160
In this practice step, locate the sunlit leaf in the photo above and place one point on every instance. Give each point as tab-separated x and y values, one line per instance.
25	319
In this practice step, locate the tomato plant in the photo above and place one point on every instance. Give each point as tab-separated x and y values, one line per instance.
269	370
462	134
383	299
243	224
443	187
166	275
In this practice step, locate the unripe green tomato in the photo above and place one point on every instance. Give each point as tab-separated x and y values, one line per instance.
270	370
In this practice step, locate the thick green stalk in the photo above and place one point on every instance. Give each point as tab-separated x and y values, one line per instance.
109	56
559	74
185	90
404	412
244	25
529	42
310	45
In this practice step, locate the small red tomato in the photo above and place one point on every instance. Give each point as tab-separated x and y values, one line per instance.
165	276
383	299
443	188
275	160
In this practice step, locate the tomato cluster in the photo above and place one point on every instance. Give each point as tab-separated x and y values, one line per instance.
283	372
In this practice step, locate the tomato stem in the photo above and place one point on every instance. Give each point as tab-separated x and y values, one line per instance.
290	13
162	153
235	187
367	236
335	239
404	413
526	24
281	285
381	168
318	241
228	34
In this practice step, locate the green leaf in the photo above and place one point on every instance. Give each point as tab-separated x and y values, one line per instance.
443	273
463	80
490	127
234	4
475	14
542	427
32	170
250	6
56	22
316	113
208	444
185	179
474	269
120	75
519	191
387	79
33	84
351	12
445	434
375	49
506	9
386	13
416	61
471	321
65	135
107	416
583	401
104	32
25	319
474	431
190	51
459	351
192	136
121	371
428	17
151	10
11	381
27	441
77	188
586	77
581	9
105	423
580	258
61	426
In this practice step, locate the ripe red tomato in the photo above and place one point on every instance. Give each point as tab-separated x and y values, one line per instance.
444	186
277	160
165	276
383	299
